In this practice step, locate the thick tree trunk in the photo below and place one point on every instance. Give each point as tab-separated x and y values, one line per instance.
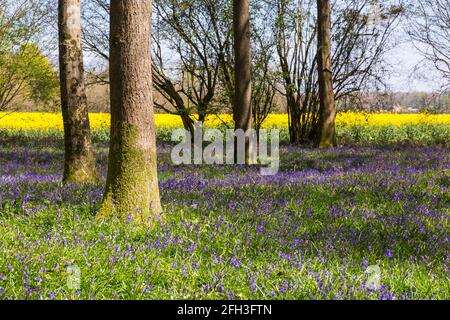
242	110
132	184
327	134
79	164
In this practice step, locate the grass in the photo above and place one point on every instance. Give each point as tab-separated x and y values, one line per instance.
318	230
381	135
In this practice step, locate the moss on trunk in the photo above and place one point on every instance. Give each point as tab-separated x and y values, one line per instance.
327	131
131	190
132	185
79	161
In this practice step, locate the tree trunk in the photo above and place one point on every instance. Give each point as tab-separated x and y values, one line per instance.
79	163
327	133
242	110
132	184
189	126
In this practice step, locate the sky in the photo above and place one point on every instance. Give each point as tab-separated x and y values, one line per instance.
405	77
405	59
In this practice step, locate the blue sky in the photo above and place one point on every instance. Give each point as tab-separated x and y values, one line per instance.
404	59
404	77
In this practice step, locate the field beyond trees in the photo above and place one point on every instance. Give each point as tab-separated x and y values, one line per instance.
354	128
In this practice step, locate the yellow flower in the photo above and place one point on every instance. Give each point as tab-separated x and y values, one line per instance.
46	121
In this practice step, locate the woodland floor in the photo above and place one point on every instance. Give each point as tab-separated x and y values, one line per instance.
351	223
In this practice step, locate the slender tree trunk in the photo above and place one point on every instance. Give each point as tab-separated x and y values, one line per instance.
188	124
79	163
132	183
242	110
327	134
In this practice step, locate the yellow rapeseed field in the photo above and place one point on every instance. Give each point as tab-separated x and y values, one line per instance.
46	121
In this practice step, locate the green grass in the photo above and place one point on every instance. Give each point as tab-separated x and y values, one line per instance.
310	232
415	134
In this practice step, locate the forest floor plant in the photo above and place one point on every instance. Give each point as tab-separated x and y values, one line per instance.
356	222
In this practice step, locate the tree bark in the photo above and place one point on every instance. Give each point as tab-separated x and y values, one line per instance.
242	109
327	116
79	163
132	185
